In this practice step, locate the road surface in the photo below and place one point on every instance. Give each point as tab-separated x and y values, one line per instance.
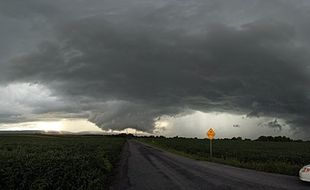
147	168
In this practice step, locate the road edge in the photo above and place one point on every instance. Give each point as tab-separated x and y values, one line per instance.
121	180
183	155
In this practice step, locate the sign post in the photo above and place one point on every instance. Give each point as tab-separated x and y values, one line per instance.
211	148
211	134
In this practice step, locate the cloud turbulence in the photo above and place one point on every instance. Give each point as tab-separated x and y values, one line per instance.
127	63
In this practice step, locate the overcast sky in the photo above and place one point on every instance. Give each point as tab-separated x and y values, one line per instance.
166	66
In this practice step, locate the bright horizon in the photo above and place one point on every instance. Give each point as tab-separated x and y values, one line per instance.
225	125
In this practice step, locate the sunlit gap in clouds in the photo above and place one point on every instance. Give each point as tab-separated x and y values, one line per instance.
40	125
226	125
69	125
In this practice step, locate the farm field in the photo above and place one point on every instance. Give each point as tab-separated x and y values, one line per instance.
277	157
58	162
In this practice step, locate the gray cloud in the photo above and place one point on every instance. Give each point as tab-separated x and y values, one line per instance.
274	124
130	63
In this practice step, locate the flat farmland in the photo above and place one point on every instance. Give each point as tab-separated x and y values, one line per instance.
58	162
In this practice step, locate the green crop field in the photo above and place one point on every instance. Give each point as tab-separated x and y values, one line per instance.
58	162
277	157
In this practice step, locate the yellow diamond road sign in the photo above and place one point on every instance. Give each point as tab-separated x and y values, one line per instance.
211	133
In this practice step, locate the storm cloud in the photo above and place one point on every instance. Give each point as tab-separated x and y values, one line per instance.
127	63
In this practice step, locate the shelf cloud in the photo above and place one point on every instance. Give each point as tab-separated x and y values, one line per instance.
127	63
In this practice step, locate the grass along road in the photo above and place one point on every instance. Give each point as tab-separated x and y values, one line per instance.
276	157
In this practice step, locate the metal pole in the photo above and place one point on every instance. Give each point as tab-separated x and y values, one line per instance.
211	148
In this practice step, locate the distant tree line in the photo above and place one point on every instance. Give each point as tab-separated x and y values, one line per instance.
266	139
277	139
261	138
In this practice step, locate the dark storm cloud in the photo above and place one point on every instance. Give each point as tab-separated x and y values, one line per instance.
273	124
26	9
128	66
12	118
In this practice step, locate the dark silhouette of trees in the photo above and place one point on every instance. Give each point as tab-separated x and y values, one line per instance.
274	139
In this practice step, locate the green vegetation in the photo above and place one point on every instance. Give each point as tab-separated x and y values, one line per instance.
277	157
58	162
